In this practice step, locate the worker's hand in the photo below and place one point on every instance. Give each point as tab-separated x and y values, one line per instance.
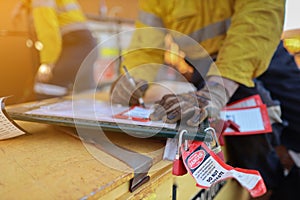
44	73
192	107
123	92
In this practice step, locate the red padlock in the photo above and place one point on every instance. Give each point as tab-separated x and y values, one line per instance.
178	165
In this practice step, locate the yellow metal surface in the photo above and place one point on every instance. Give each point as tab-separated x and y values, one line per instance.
47	163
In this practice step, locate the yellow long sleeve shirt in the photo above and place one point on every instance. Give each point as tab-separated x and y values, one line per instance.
243	33
53	19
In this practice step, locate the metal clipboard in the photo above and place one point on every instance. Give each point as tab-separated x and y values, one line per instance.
21	112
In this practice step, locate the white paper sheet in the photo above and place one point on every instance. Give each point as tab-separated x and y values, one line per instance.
7	128
92	110
248	119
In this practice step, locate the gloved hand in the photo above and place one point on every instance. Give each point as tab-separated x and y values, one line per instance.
44	73
123	92
192	107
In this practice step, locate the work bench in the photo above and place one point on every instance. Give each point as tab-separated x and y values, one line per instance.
48	163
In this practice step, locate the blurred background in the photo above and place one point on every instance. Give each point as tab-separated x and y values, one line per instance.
19	59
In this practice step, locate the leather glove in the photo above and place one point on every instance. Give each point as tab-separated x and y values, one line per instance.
123	92
44	73
192	107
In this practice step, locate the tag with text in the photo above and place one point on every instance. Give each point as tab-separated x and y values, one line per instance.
208	169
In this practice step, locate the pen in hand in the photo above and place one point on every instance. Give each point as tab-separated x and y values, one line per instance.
132	82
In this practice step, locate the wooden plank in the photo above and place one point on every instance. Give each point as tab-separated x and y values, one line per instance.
50	164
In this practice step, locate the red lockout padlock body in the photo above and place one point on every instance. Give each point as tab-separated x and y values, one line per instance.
178	167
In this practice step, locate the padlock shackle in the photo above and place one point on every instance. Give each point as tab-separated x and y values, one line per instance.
179	168
214	137
180	138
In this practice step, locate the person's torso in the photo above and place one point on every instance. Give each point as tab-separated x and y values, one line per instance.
70	16
205	21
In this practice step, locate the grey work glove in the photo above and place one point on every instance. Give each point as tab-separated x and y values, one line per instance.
124	93
192	107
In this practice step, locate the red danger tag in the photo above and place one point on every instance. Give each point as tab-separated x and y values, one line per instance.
207	169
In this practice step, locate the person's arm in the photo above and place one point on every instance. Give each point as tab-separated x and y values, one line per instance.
246	52
291	41
47	30
144	56
146	49
251	40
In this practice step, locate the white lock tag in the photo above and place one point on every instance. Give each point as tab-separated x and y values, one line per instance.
207	169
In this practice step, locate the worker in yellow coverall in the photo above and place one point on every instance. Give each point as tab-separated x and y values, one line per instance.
65	41
230	43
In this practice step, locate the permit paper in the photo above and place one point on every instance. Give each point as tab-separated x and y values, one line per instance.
8	128
251	101
250	114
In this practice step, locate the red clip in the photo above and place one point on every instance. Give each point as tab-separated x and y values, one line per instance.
233	125
228	124
220	126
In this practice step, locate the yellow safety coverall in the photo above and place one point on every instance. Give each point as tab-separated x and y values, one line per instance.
53	19
243	33
66	42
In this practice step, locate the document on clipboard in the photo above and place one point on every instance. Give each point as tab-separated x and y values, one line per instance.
93	114
97	110
93	110
136	113
250	114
